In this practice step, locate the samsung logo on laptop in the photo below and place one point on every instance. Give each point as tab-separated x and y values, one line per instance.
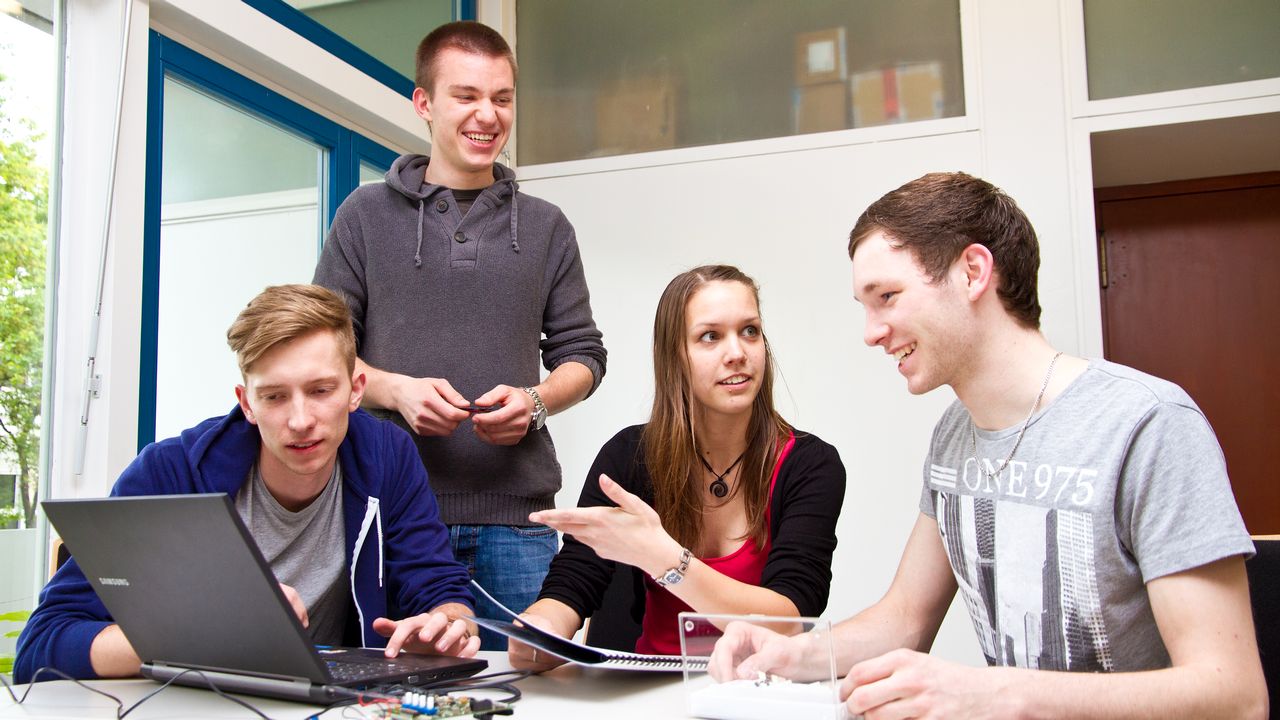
121	582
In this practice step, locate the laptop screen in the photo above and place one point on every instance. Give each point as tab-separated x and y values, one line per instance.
184	580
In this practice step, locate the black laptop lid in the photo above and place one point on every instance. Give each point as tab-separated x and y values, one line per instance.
186	583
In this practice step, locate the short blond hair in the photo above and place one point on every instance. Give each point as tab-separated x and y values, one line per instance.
286	312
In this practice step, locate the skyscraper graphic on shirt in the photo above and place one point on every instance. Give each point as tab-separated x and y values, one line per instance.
1027	574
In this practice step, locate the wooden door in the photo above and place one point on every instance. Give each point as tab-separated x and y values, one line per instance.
1191	293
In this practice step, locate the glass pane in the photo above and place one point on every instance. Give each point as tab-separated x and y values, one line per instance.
370	173
389	30
673	73
28	67
239	211
1145	46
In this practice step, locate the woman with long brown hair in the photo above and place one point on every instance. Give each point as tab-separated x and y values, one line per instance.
717	503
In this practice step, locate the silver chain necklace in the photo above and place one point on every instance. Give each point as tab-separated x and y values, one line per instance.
973	433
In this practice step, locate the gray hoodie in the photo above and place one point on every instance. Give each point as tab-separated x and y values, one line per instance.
476	301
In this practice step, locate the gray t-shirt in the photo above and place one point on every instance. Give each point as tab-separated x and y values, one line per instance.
305	550
1120	481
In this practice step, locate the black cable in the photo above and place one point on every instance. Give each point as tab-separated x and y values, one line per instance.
475	682
347	706
212	686
64	676
121	710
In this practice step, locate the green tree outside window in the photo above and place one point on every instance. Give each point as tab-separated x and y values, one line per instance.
24	212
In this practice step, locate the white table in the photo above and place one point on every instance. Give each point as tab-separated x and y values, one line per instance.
566	692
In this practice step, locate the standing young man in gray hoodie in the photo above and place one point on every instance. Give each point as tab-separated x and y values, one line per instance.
458	283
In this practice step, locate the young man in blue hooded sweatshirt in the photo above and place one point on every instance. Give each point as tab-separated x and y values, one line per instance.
336	500
459	284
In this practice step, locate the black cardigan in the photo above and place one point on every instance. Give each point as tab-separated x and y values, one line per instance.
803	512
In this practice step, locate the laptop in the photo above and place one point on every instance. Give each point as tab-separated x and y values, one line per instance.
185	581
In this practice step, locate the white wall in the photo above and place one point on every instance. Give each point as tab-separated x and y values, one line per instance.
781	209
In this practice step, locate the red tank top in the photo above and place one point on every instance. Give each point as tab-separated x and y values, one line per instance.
660	634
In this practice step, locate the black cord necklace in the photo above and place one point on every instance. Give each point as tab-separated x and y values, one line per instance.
719	487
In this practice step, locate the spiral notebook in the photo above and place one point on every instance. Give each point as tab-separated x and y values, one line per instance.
578	653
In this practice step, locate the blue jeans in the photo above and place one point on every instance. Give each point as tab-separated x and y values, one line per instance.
508	561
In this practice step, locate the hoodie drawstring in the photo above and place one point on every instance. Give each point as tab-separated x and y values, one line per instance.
372	515
515	242
417	254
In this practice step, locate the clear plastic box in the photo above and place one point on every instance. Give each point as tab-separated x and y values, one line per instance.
813	693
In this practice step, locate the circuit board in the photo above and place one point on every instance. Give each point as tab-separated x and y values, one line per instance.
415	706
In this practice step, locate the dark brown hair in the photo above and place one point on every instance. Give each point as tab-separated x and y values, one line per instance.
940	214
465	35
670	437
286	312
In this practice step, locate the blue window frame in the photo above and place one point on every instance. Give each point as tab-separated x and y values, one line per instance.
344	49
345	150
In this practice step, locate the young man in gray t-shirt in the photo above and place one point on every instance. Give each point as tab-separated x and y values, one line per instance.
1081	508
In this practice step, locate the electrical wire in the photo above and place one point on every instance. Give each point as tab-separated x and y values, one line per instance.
503	681
489	681
121	710
58	673
212	686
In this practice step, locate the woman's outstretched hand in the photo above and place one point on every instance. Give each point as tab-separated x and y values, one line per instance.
630	533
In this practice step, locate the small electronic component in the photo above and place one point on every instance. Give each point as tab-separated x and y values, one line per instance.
418	705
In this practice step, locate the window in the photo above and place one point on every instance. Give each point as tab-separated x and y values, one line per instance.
370	174
610	77
242	184
379	37
241	208
1145	46
28	67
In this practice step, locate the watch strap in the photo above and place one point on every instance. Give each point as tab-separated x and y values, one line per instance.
675	574
539	414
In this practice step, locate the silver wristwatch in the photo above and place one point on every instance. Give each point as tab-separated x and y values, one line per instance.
676	574
539	416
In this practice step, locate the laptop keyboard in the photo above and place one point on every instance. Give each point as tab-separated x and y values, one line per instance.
357	671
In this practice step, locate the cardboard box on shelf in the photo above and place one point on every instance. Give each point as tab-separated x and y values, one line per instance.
820	108
820	57
636	114
899	93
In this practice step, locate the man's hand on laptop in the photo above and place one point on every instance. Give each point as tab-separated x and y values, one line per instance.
446	630
295	602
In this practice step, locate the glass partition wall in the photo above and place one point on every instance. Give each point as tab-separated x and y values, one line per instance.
611	77
1135	47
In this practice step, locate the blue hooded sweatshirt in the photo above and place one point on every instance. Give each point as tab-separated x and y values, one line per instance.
399	563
